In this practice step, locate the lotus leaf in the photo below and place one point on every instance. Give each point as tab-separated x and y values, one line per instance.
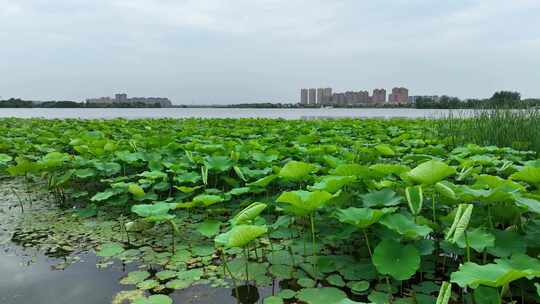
324	295
381	198
296	170
405	226
399	261
430	172
362	217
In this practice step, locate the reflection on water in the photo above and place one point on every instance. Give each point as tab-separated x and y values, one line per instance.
35	278
225	113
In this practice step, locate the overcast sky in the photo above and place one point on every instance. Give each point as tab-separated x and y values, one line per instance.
220	51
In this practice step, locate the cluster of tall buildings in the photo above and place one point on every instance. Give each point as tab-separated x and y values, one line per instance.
325	97
122	98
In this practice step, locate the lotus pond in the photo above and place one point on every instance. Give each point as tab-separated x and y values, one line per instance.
269	211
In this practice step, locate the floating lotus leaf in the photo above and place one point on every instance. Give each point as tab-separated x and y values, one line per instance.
209	228
405	226
382	198
324	295
430	172
296	170
395	259
110	250
135	277
155	299
335	280
273	300
358	286
148	284
4	158
362	217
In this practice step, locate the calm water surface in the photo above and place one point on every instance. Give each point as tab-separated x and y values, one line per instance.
31	278
223	113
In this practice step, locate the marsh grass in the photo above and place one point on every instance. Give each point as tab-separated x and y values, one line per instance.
502	127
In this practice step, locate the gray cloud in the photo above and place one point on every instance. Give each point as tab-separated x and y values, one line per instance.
212	51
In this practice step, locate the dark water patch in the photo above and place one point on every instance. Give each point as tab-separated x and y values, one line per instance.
28	276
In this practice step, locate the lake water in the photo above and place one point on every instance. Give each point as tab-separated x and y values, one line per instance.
223	113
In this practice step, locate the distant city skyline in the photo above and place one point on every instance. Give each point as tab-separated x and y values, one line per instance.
326	97
214	52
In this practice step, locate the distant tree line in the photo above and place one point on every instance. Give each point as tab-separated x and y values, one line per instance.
506	99
19	103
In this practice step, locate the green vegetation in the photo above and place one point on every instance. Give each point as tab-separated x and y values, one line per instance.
503	127
339	211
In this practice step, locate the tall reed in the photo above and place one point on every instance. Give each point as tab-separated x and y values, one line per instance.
503	127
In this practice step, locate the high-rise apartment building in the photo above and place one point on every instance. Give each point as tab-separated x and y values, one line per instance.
304	96
120	98
312	96
399	96
324	96
379	96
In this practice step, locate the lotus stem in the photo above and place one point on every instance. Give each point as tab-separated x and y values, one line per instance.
313	248
246	254
367	243
468	247
226	269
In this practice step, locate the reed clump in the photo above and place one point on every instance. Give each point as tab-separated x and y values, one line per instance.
502	127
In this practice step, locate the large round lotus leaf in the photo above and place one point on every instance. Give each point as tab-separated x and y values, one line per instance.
155	299
430	172
478	239
218	163
528	174
507	242
273	300
382	198
405	226
486	295
150	210
296	170
332	184
209	228
325	295
240	235
362	217
395	259
503	272
135	277
305	201
110	250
